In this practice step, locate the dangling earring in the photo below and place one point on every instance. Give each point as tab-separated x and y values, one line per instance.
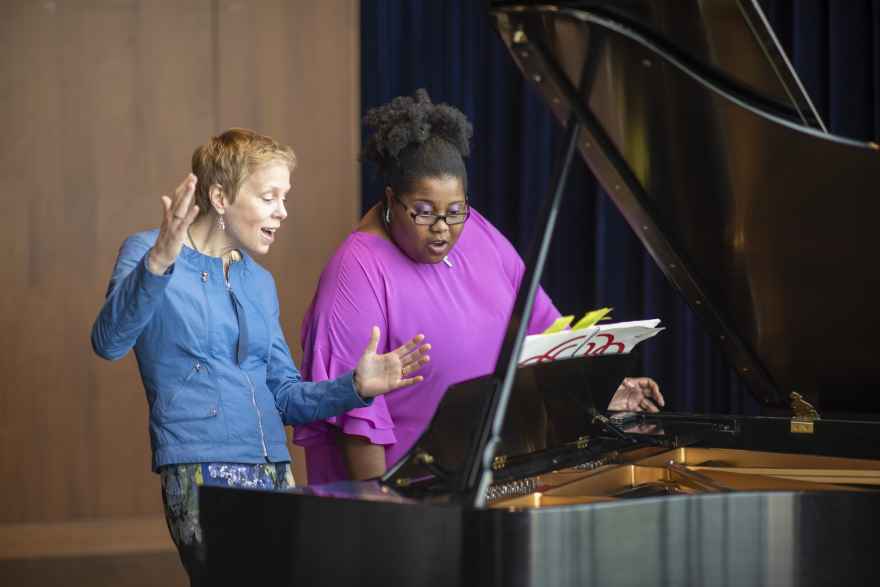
387	215
220	224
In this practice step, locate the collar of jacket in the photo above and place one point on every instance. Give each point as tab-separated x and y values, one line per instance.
207	263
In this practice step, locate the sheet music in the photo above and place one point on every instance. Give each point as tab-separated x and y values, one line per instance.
600	339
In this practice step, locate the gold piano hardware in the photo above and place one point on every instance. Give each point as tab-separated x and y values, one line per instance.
401	482
582	441
804	414
499	462
608	459
519	37
424	458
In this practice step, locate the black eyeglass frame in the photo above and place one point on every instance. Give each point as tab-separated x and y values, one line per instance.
437	217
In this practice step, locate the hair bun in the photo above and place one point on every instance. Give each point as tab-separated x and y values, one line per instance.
412	120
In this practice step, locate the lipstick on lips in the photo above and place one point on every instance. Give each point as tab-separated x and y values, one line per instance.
438	247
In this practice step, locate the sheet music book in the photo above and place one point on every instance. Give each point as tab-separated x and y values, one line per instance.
598	339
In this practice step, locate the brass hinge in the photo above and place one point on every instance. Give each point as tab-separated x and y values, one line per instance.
805	415
424	458
499	462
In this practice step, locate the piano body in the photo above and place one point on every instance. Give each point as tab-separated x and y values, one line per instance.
697	127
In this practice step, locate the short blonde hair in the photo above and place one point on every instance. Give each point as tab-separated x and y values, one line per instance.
229	158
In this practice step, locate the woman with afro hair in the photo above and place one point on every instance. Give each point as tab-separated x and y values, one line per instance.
421	260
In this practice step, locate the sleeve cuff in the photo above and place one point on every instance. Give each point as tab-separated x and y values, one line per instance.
359	400
149	281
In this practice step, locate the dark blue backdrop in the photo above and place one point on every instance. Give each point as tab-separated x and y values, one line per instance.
450	48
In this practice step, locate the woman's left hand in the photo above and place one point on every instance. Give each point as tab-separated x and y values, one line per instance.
377	374
637	394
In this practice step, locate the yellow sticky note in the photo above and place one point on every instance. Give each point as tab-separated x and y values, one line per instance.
561	323
591	318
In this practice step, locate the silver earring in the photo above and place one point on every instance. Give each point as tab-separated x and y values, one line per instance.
220	224
387	215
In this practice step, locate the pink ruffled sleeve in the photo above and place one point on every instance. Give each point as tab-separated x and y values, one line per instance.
349	301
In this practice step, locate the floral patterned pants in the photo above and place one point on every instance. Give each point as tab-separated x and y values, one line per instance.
180	494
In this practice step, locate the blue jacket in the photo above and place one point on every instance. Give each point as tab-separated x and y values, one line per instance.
218	374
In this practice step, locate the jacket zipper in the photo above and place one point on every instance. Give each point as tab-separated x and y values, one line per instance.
259	414
251	386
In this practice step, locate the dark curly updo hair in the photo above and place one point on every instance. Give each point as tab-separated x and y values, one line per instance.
413	138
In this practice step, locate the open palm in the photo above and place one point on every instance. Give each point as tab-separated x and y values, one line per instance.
377	374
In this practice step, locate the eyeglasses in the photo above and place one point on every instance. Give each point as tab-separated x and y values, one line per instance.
430	219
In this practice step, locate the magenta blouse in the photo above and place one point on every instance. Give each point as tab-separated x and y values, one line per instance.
461	309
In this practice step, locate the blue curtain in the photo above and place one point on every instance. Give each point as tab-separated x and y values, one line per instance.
451	49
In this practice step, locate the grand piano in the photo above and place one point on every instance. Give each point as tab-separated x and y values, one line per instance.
696	125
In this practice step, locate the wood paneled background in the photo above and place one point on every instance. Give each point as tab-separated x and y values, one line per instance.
102	103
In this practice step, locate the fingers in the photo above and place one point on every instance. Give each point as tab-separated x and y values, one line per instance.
408	382
416	355
651	390
407	348
641	394
375	333
411	367
646	405
191	216
183	197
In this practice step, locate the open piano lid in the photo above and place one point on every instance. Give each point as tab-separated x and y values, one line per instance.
695	124
697	127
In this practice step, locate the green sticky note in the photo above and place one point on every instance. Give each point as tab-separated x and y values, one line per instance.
560	324
590	318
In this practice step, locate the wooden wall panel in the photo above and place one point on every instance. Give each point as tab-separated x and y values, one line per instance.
102	103
325	133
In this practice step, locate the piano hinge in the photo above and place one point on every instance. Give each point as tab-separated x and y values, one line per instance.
499	462
805	415
424	458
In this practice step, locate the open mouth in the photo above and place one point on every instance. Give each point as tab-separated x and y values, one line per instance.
268	233
438	247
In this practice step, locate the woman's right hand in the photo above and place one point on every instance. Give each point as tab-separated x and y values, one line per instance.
178	214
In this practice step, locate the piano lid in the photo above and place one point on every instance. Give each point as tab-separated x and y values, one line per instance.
698	129
727	38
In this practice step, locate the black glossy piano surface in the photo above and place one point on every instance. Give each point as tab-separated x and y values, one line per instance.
697	127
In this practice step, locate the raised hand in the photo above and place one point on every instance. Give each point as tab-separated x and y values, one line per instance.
377	374
639	394
178	214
